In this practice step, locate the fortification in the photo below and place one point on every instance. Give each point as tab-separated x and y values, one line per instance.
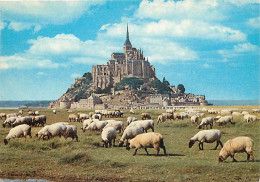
131	63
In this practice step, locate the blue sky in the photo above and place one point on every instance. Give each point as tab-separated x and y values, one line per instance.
210	46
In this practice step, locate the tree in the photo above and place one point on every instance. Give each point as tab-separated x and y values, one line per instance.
181	88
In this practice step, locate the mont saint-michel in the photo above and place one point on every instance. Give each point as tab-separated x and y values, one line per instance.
127	80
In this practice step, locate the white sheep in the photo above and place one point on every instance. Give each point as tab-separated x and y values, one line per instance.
17	132
9	121
130	120
97	125
118	125
200	115
146	124
86	123
130	132
56	129
237	114
235	145
206	121
82	116
71	131
147	140
245	113
208	136
256	110
108	134
161	118
184	115
132	111
212	111
23	120
250	118
97	116
225	112
11	115
2	115
54	111
225	120
195	119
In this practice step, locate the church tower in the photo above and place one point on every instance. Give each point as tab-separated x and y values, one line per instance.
127	45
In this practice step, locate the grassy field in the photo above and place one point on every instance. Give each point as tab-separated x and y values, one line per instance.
64	160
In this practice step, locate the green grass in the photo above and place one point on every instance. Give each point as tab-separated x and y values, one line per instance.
60	159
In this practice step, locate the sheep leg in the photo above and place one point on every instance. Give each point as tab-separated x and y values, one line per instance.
153	129
135	151
252	156
216	145
114	142
110	143
77	138
147	151
233	157
221	144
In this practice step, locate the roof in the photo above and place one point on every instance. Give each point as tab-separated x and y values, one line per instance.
127	42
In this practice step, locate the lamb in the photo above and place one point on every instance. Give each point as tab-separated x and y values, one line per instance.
206	121
97	125
147	140
250	118
195	119
146	124
73	117
71	131
9	121
208	136
225	119
130	132
118	125
236	145
108	134
17	132
145	116
161	118
130	120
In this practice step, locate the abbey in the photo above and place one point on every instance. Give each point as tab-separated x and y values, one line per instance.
131	63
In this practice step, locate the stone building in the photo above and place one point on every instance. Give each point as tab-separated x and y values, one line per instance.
131	63
92	102
160	99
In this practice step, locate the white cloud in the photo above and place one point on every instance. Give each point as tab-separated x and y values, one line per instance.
2	25
240	49
18	26
242	2
206	65
104	27
75	75
41	73
44	12
254	22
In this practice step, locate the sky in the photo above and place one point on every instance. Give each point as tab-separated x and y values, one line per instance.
209	46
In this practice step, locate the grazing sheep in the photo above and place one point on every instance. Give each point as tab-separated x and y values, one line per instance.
130	120
169	116
250	118
245	113
161	118
132	111
236	145
97	125
212	111
23	120
146	124
145	116
2	115
36	113
206	121
20	113
118	125
256	110
11	115
54	111
97	116
17	132
237	114
9	121
56	129
147	140
201	115
184	115
86	123
71	131
39	120
208	136
108	134
195	119
225	120
171	111
73	117
90	114
130	132
177	115
225	112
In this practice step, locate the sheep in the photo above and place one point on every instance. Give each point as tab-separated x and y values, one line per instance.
169	116
56	129
23	120
208	136
86	123
255	110
161	118
225	112
212	111
145	116
118	125
97	125
90	114
20	113
2	115
36	113
177	115
132	111
146	124
54	111
71	131
11	115
82	116
200	115
250	118
39	120
97	116
108	134
73	117
206	121
147	140
195	119
9	121
17	132
130	132
130	120
236	145
225	119
245	113
237	114
184	115
171	111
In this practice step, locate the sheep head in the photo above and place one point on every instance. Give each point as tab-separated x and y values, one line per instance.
191	143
